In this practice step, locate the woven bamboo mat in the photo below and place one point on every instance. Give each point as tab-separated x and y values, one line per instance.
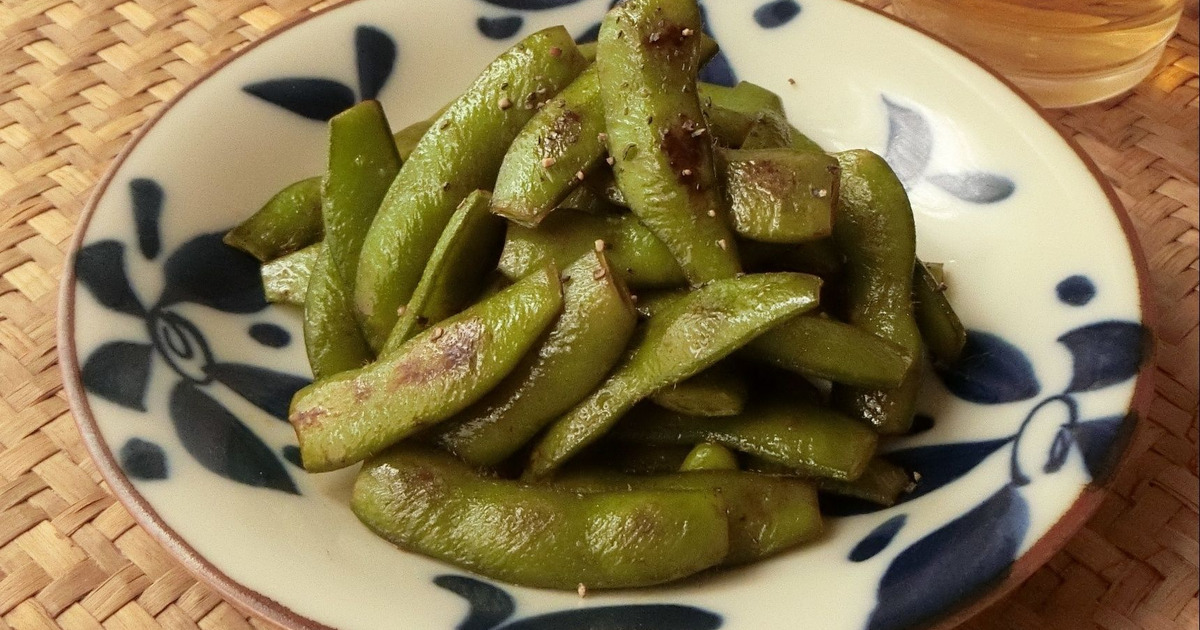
78	77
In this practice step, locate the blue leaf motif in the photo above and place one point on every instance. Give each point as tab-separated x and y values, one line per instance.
1104	353
101	268
267	389
991	371
776	13
635	617
119	371
222	444
910	142
206	271
530	5
147	198
952	563
312	98
375	54
878	539
718	70
1060	448
1076	290
976	187
143	460
1101	443
937	465
921	424
291	452
501	27
489	605
270	335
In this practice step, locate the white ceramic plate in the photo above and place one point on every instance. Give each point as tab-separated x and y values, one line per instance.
179	373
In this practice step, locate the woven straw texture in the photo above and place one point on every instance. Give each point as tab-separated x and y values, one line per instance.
78	77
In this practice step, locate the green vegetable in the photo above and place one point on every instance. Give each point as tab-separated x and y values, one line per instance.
426	501
824	348
289	221
881	483
362	164
460	154
733	111
553	153
648	60
766	515
576	354
637	256
464	254
940	327
709	456
801	436
285	279
875	231
780	195
718	391
350	416
693	333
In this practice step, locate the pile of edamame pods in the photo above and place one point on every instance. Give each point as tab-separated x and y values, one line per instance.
596	323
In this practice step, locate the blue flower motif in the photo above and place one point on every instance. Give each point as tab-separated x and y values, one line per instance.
202	271
320	99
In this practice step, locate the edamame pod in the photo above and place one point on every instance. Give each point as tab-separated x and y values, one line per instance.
287	222
940	327
875	231
457	269
770	131
650	303
362	164
285	279
460	154
780	195
732	111
636	255
882	483
425	501
709	456
766	515
648	61
718	391
576	354
350	416
552	154
685	338
804	437
818	347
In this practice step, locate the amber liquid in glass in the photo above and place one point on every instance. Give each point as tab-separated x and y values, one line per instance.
1061	52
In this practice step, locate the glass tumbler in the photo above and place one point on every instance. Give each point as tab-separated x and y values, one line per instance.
1061	52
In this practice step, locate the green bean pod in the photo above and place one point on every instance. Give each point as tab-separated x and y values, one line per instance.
732	112
685	338
824	348
461	153
941	329
350	416
285	279
875	231
576	354
800	436
767	515
636	255
425	501
553	153
780	195
882	483
718	391
289	221
466	251
362	164
709	456
648	60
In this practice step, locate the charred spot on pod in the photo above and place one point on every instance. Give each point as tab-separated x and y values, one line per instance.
454	351
563	132
685	152
667	38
